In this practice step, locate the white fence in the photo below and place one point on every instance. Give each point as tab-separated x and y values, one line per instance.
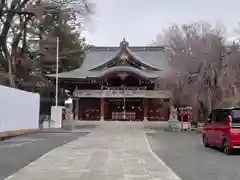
19	110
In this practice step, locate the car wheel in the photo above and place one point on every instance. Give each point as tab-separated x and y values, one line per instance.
205	140
226	148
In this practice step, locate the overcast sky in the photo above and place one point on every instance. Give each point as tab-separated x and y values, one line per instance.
141	20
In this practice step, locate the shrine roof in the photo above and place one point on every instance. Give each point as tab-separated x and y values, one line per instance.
153	61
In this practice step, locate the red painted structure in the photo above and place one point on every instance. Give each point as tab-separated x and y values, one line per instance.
117	83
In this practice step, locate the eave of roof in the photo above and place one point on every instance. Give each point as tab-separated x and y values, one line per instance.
116	69
99	74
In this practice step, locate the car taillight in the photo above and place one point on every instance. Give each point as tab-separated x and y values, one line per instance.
229	120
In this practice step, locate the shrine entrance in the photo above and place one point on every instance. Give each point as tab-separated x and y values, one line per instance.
127	109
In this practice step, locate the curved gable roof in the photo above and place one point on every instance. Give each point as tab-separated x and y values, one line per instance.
135	57
151	56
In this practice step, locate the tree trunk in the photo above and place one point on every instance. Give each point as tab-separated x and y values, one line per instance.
10	73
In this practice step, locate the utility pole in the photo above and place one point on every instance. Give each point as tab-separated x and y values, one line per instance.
124	103
57	62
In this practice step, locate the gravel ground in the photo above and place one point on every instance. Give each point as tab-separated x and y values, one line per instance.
15	153
185	154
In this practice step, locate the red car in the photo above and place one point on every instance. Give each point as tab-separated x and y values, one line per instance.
223	129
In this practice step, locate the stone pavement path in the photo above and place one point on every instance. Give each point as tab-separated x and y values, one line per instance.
113	151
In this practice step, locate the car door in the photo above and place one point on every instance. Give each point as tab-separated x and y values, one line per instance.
220	126
234	131
208	127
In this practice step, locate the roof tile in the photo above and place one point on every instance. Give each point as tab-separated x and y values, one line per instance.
153	56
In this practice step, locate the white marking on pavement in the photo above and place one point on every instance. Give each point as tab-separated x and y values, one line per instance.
23	139
17	142
9	177
31	163
14	145
172	175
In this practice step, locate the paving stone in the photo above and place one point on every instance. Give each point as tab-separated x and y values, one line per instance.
113	151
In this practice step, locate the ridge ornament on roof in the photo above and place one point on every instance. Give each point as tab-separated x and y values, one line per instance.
124	43
124	56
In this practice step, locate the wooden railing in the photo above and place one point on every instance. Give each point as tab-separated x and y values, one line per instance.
125	87
120	115
121	94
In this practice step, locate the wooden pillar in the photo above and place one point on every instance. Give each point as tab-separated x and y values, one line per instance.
76	109
105	110
167	101
145	106
80	114
102	110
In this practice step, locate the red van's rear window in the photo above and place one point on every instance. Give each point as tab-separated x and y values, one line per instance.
236	116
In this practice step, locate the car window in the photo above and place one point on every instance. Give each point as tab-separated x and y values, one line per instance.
236	116
236	113
221	116
212	116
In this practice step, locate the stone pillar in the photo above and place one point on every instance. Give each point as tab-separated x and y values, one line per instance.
145	110
173	122
102	110
76	109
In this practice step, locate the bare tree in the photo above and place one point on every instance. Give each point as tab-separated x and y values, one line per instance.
198	54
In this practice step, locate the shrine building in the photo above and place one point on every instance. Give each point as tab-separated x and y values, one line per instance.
118	83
